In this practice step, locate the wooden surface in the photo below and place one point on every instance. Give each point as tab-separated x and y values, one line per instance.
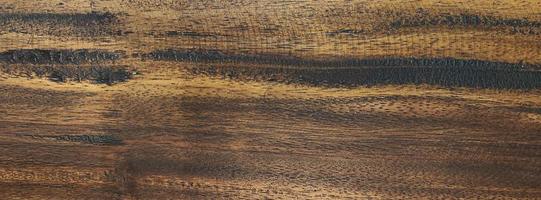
270	99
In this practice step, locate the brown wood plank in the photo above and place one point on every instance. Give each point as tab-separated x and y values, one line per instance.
270	99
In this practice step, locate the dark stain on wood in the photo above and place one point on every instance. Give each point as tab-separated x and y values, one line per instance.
52	56
450	76
78	24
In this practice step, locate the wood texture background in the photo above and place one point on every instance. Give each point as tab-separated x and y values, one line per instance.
270	99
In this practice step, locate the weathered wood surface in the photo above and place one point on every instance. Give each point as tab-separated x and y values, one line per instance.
270	99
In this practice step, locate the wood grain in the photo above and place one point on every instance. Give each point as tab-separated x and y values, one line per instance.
270	99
